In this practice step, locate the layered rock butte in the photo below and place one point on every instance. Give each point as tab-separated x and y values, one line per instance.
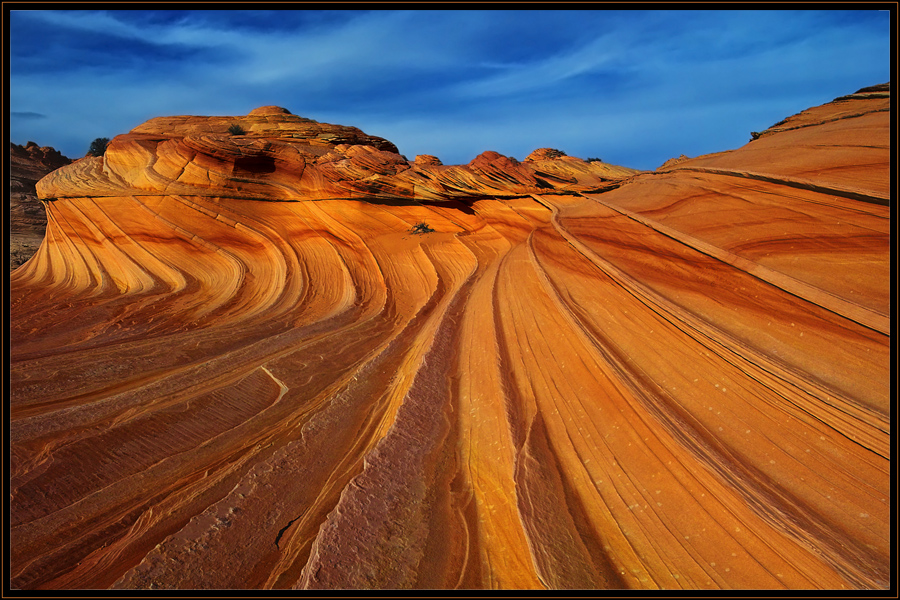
234	365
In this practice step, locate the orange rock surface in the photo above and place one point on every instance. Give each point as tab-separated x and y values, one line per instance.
235	363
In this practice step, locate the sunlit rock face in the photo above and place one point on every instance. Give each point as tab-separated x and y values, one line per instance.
283	157
236	363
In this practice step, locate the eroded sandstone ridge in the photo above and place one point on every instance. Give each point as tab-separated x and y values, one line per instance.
238	363
284	157
27	220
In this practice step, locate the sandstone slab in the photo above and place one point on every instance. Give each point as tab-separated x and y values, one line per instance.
235	366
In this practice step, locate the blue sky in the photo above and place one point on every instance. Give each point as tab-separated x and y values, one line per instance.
631	87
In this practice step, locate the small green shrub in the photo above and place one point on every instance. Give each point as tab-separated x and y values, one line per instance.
593	160
236	129
754	135
98	147
420	228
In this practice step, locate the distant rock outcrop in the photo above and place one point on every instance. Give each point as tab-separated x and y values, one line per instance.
27	221
428	160
32	160
673	161
293	359
545	153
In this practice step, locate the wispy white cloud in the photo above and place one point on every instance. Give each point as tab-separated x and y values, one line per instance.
545	72
452	83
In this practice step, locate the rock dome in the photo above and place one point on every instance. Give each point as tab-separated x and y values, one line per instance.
269	110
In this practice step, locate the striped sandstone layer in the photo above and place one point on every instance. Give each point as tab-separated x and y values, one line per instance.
234	365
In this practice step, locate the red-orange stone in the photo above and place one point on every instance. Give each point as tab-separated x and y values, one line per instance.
240	362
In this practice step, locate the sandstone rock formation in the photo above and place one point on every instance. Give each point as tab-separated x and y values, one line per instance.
284	157
233	366
27	221
428	159
673	161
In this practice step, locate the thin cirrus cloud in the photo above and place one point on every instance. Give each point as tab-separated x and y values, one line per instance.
635	87
541	73
27	115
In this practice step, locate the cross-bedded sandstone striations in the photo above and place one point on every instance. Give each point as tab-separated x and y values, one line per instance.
234	365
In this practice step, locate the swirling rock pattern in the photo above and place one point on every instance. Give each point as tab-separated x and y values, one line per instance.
235	364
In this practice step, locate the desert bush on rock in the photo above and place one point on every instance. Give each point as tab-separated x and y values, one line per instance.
593	160
98	147
419	228
236	129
